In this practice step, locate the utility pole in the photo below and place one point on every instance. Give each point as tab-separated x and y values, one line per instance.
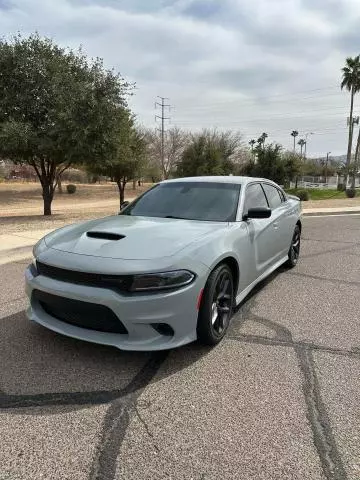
306	135
162	117
326	165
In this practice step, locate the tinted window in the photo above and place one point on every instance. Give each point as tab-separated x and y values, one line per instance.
208	201
273	195
254	197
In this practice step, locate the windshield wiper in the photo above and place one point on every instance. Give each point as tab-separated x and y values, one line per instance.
179	218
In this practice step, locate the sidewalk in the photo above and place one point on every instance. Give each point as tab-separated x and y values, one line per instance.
330	211
18	246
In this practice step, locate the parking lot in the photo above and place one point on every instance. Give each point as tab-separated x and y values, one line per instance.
277	399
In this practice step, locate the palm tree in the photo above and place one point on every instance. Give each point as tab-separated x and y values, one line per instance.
302	143
294	134
351	81
261	139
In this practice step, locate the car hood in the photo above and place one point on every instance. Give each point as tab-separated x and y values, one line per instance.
130	238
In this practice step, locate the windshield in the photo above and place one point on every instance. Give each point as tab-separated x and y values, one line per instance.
207	201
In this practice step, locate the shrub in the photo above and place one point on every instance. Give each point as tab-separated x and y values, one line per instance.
71	188
350	193
341	187
303	195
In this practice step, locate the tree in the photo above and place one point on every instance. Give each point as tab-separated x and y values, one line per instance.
57	108
302	143
252	145
261	140
292	167
294	134
210	153
351	81
128	158
175	141
273	164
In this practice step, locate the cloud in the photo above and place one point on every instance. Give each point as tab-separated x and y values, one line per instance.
225	63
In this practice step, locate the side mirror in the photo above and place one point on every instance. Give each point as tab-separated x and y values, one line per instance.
257	212
123	205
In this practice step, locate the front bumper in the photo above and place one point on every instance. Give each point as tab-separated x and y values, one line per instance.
136	312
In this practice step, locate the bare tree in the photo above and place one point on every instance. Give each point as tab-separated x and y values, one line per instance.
175	140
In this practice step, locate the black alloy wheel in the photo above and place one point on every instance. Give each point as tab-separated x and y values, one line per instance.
294	251
216	306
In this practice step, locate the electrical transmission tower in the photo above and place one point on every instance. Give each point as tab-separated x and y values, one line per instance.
162	117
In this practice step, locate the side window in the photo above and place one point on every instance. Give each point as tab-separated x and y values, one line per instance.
282	195
273	195
254	197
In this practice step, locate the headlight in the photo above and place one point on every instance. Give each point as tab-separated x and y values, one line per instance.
161	281
39	247
33	268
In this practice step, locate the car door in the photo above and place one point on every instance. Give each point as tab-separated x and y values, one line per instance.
279	220
260	233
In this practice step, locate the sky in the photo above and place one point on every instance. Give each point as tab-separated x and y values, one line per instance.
249	65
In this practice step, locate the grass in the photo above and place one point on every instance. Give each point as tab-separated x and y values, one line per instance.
319	194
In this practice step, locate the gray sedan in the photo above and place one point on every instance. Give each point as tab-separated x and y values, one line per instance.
170	268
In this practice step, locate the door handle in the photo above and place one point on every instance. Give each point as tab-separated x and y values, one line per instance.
276	225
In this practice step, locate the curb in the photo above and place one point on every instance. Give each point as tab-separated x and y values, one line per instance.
342	212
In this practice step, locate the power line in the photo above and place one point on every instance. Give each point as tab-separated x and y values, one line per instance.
310	108
162	118
267	99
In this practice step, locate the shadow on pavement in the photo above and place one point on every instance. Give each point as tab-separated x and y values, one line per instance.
42	368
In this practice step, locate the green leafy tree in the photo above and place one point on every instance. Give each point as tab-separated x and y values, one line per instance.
129	157
351	81
292	167
57	108
273	164
210	153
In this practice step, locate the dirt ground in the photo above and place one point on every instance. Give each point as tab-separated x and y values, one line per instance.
21	197
21	205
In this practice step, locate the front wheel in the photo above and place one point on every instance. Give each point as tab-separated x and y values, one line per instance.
294	250
216	306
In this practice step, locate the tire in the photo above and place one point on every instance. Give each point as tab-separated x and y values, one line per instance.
294	250
216	306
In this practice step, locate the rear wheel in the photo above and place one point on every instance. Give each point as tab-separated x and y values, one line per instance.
294	250
216	306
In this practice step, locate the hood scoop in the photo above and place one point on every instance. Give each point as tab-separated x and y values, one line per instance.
105	235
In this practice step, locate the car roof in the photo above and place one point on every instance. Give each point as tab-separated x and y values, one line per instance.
219	179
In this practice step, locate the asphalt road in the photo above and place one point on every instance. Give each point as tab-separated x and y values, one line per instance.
278	399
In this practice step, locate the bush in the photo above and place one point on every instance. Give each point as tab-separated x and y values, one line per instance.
303	195
341	187
350	193
71	188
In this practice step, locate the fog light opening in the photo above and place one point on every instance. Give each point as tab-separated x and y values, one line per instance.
163	329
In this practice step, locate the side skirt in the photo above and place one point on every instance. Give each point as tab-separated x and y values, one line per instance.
240	297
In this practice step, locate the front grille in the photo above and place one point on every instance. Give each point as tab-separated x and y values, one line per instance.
79	313
120	283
